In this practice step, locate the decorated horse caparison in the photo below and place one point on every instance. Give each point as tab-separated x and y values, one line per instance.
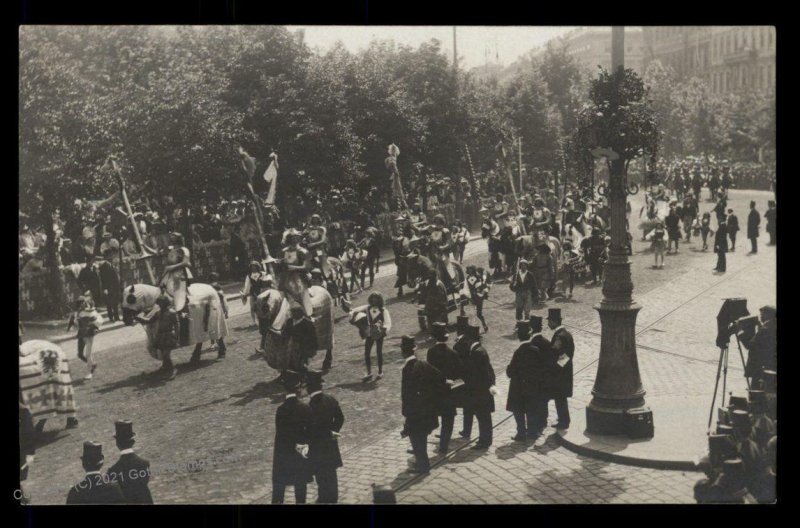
280	349
206	319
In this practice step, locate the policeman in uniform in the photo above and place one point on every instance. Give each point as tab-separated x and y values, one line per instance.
131	471
446	361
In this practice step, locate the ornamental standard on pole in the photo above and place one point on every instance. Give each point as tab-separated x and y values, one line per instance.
618	386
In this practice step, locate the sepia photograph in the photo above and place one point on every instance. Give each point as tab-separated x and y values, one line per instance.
391	264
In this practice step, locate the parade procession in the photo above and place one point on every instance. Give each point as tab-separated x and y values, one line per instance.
258	267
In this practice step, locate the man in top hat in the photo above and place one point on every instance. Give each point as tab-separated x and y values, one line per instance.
421	389
131	471
746	447
524	287
446	361
730	486
770	216
762	345
479	388
94	488
764	427
290	465
323	446
563	350
753	221
525	398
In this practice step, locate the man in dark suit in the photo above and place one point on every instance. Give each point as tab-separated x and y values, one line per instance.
733	228
290	465
131	471
112	291
563	349
421	387
323	446
721	246
94	488
446	361
762	345
522	374
461	348
479	389
753	221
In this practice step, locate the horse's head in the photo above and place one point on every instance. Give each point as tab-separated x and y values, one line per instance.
267	306
136	299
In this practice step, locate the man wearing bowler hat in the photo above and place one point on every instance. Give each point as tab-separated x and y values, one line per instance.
290	465
479	389
446	361
323	446
94	488
131	471
421	389
563	349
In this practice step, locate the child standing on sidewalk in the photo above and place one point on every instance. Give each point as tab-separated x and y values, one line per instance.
88	321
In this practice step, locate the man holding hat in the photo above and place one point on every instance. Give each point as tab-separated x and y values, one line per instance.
446	361
524	287
131	471
479	389
421	389
290	465
563	350
323	447
94	488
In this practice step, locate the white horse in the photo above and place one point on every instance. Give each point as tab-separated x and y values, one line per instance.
206	318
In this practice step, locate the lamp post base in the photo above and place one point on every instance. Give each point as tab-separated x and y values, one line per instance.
616	421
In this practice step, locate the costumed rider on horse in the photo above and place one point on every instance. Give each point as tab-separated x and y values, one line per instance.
542	217
178	274
293	268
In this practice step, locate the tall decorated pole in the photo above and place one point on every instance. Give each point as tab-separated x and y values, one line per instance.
112	162
618	389
248	165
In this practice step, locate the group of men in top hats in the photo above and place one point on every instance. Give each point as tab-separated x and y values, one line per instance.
540	370
126	482
449	378
306	441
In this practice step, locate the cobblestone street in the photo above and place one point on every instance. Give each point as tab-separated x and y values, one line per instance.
221	413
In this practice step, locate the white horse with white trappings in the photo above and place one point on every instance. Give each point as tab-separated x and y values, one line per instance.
206	319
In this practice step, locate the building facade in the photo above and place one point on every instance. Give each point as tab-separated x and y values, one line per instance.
591	47
729	58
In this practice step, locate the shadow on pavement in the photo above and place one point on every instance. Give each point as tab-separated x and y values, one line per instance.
139	382
54	435
510	450
273	390
357	386
193	407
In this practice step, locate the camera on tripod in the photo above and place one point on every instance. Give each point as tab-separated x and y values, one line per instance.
733	319
732	311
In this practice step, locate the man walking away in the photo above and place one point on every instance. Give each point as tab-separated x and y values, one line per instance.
323	447
563	348
721	246
733	228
